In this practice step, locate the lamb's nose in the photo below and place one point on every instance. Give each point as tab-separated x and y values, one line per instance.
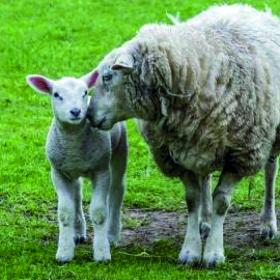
75	112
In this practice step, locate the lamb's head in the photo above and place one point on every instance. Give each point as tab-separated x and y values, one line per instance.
125	88
69	97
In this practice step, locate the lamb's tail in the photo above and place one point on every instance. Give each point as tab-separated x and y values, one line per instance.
175	19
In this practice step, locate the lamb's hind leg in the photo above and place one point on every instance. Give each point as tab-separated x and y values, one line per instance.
99	214
80	222
192	247
206	207
118	168
66	216
268	215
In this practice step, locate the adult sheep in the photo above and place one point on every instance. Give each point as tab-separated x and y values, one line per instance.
206	93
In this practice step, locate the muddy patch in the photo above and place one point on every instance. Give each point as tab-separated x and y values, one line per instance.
144	227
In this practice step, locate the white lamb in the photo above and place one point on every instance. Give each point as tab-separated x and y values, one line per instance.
75	149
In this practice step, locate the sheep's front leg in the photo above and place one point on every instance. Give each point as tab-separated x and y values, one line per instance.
206	207
214	247
99	215
191	250
268	215
66	216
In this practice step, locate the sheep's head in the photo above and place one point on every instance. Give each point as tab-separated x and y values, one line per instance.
127	86
69	97
111	101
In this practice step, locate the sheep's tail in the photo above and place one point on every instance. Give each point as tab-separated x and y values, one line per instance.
175	19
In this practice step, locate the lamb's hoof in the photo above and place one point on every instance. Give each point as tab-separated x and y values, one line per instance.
204	229
268	231
189	259
213	260
65	252
80	240
64	258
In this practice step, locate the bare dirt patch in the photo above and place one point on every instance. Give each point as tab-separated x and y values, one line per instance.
144	227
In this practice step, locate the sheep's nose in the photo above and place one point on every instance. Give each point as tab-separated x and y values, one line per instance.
75	112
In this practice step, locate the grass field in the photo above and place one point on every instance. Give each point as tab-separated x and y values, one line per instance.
68	38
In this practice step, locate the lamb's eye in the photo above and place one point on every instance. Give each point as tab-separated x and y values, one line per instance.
85	93
56	95
107	77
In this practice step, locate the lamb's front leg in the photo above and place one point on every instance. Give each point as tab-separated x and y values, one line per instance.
192	247
268	215
66	215
99	215
214	247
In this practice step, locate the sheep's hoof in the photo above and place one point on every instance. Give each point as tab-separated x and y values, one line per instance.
189	259
213	260
204	229
268	231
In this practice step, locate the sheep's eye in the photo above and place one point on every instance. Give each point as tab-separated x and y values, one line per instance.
85	93
107	77
56	95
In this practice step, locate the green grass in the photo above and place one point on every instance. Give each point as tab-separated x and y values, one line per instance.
68	38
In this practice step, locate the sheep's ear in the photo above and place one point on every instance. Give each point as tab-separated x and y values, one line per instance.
124	63
40	84
91	78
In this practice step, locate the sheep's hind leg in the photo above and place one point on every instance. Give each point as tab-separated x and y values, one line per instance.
192	247
118	167
206	207
66	216
80	222
214	247
99	215
268	215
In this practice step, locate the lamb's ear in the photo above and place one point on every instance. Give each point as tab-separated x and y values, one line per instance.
124	63
91	78
40	84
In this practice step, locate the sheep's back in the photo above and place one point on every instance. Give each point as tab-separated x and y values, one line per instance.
231	110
